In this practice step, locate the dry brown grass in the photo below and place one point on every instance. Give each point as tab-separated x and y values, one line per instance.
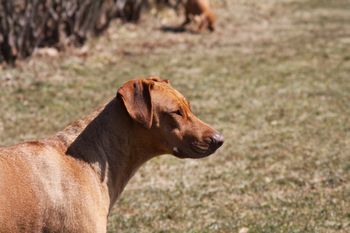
274	78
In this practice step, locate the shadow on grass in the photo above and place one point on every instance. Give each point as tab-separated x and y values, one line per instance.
173	29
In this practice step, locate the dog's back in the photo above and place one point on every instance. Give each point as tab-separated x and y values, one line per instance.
36	188
27	184
18	186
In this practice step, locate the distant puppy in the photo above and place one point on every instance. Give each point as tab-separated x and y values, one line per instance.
198	11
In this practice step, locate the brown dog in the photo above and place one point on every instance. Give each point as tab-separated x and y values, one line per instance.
70	181
199	11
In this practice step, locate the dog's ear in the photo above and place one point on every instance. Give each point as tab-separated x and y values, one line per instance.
136	96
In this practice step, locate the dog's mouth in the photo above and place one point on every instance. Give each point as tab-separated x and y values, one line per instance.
194	150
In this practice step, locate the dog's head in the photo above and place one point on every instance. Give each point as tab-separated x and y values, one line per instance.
157	107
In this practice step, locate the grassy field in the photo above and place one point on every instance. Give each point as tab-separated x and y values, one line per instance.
274	78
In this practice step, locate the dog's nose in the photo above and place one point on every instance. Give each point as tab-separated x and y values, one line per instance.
217	140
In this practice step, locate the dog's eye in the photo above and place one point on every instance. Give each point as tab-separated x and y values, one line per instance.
177	112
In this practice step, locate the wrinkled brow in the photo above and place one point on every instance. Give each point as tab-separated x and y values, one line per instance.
177	95
187	103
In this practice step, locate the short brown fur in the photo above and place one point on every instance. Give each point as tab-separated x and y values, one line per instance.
70	181
199	11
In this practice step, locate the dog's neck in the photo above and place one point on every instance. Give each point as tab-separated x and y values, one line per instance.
109	142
